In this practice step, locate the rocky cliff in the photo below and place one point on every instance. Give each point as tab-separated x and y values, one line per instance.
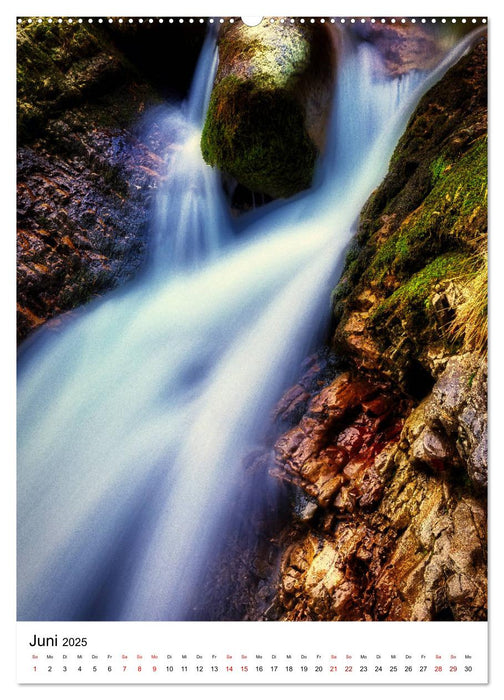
386	461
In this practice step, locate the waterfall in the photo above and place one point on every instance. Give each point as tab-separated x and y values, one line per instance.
190	223
134	417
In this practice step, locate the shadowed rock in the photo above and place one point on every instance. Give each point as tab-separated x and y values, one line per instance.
86	170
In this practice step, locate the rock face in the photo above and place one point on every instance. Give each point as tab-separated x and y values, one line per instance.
395	528
330	454
380	456
386	461
86	165
82	216
270	105
406	47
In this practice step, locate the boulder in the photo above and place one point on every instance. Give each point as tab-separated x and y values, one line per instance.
270	105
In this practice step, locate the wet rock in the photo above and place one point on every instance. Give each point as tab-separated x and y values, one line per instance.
459	402
448	430
304	507
82	220
419	554
394	450
331	453
404	47
433	449
292	401
419	251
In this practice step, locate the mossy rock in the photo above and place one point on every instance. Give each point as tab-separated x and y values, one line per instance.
248	139
65	67
408	307
450	117
452	216
422	237
51	68
269	106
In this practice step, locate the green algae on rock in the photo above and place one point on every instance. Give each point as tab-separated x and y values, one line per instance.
270	104
63	66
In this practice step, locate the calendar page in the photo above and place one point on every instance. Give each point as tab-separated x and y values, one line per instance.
252	349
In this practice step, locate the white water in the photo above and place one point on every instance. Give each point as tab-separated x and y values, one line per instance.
189	221
134	417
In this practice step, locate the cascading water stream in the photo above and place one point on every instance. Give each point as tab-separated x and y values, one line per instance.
190	223
134	418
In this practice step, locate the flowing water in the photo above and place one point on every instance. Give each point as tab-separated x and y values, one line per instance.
134	417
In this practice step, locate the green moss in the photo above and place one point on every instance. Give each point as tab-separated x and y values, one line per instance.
355	263
256	133
409	304
61	67
465	185
422	236
438	168
452	216
437	243
255	128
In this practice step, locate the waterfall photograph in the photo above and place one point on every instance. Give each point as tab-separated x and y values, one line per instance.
251	319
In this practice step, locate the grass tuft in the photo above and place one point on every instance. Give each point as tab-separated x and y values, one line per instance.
470	325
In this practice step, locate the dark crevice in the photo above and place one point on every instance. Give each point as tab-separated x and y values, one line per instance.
418	382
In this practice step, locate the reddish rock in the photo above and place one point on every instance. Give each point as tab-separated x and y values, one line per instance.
331	452
377	406
397	536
